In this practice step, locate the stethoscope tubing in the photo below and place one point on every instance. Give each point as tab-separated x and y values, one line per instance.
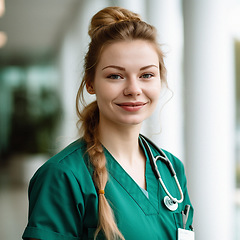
165	159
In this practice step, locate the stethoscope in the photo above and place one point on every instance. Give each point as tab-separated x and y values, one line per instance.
170	202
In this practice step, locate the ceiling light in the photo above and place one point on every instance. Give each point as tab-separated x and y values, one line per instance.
2	7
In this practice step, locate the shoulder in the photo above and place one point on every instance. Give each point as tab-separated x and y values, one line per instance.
60	193
69	163
74	150
70	157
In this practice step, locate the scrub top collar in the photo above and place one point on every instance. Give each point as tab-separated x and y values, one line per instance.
150	204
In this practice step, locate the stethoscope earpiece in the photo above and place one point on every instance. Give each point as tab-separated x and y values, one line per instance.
172	206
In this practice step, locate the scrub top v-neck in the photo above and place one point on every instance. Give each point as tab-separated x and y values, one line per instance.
63	203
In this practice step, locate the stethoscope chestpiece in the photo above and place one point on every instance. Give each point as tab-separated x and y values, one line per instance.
170	204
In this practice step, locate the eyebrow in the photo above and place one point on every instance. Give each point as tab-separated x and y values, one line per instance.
114	66
123	69
152	65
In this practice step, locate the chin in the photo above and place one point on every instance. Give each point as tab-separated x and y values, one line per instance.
133	121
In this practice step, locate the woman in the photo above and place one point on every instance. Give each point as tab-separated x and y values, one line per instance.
102	185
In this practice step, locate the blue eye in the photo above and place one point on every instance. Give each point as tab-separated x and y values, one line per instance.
114	76
147	75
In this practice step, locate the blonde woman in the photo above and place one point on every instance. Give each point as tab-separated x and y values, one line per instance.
103	185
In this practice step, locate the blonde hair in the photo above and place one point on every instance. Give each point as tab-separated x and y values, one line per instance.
108	26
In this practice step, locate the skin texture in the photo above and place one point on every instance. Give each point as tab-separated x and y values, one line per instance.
127	74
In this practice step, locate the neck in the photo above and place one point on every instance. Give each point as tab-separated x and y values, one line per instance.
121	141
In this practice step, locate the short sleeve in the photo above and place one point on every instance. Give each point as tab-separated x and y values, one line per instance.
55	205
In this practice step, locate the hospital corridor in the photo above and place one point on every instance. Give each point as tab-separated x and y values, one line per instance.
42	48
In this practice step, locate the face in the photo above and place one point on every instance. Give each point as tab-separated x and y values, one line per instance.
127	82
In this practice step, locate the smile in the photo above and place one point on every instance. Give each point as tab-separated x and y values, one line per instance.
132	106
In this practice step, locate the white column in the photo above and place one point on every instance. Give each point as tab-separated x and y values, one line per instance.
209	102
165	127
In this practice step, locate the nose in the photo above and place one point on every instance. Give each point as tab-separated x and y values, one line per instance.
132	88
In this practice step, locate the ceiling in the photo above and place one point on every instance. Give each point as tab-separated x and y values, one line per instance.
34	28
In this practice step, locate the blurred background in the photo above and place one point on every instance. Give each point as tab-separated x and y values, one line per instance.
42	47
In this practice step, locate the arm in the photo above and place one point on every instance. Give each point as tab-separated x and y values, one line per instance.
54	202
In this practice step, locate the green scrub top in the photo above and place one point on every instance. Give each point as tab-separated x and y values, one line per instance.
63	202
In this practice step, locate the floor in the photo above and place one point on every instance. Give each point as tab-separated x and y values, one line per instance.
13	207
14	199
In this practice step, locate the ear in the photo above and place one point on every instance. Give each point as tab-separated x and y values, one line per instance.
90	89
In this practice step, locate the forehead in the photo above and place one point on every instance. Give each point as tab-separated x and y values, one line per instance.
136	53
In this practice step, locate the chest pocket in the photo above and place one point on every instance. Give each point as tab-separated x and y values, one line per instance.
179	219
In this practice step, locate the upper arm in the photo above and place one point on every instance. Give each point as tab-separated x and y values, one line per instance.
55	205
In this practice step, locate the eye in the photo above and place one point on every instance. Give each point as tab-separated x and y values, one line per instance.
114	76
147	75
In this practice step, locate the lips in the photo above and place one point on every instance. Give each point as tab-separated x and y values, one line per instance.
132	106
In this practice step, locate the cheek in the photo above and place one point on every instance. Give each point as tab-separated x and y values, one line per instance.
154	91
104	97
107	91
